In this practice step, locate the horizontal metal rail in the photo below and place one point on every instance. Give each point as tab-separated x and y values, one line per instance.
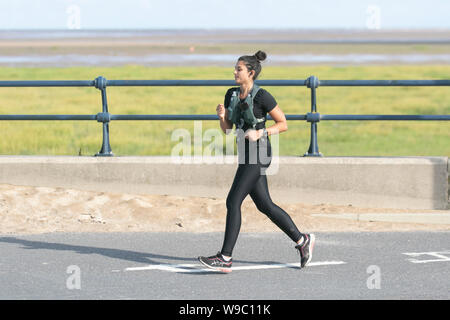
219	83
170	117
383	83
385	117
312	117
13	117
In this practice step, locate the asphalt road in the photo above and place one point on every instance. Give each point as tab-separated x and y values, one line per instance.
370	265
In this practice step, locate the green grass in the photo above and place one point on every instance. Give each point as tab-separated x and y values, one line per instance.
336	138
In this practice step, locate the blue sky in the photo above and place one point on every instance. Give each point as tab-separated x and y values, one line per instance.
171	14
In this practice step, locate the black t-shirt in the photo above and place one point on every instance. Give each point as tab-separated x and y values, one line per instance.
263	103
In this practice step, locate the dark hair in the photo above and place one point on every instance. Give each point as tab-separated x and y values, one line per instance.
254	62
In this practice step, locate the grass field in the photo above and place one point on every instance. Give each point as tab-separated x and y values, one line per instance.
343	138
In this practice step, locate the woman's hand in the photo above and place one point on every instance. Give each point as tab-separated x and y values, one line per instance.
225	124
220	109
254	135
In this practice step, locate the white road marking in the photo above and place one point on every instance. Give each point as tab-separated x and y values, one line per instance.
193	268
440	255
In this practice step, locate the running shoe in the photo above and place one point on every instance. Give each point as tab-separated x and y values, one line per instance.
305	249
217	263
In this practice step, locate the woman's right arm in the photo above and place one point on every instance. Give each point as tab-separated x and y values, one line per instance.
225	124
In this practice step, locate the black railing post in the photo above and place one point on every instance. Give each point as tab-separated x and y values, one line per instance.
314	117
104	117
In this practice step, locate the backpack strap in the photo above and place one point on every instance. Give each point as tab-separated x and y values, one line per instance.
255	90
233	112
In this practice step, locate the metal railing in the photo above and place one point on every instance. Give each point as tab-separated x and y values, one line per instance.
312	117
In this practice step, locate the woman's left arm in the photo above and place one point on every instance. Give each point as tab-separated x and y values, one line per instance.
279	126
280	121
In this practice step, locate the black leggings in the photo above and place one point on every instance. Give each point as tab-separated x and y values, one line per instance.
249	179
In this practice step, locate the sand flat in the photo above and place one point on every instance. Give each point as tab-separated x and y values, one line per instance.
31	210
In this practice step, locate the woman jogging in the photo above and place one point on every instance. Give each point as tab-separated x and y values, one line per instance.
246	107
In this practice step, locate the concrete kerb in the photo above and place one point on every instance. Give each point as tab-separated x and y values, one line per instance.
379	182
425	218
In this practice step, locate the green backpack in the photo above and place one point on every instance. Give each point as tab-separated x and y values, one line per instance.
242	112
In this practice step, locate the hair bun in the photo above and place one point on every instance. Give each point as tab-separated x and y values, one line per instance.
261	55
